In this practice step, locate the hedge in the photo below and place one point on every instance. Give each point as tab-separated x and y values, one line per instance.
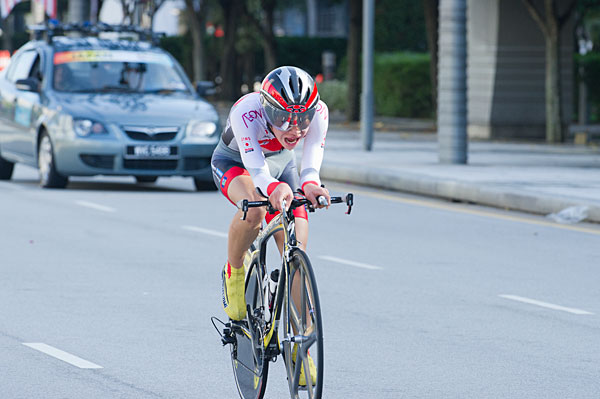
591	77
401	84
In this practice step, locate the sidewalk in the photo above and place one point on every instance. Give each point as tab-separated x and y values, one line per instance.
536	178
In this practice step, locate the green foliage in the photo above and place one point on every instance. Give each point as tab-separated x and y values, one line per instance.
591	76
400	26
402	85
306	52
334	93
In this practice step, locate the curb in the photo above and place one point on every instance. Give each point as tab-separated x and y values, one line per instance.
453	190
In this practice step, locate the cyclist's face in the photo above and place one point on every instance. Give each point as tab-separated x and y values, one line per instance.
289	138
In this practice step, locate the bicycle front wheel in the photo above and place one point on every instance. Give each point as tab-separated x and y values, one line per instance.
250	367
303	330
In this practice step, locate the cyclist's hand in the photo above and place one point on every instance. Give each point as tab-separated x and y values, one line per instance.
312	192
281	192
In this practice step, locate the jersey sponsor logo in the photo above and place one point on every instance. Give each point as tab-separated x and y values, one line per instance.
322	110
223	181
250	116
247	150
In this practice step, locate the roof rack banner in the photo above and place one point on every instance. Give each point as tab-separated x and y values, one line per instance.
111	56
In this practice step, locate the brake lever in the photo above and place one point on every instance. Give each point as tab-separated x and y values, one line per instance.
244	209
349	202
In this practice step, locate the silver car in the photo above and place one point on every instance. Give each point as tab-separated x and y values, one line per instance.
89	106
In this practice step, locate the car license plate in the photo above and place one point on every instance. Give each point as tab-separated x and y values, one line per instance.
151	151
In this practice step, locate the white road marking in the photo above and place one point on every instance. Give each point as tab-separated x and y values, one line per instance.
545	304
62	355
93	205
350	262
205	231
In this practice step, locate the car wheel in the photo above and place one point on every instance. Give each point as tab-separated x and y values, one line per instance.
146	179
204	185
49	177
6	169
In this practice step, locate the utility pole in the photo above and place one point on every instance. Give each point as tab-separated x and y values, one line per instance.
452	82
366	118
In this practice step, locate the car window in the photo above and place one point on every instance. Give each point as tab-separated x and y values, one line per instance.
116	71
23	66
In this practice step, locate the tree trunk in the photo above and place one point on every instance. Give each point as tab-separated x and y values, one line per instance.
431	9
230	86
269	43
550	25
353	54
553	106
196	23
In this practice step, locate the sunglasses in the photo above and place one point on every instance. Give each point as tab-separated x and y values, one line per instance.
286	120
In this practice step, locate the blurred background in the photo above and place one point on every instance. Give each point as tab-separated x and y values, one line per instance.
235	42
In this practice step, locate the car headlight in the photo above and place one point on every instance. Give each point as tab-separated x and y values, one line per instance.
86	127
200	129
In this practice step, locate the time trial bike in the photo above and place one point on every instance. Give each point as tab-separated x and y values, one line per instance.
283	313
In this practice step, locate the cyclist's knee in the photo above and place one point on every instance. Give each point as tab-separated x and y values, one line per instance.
255	216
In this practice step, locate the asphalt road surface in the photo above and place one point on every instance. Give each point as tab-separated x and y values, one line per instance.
107	289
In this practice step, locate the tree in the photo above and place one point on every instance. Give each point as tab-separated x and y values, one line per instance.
195	12
232	13
262	16
551	23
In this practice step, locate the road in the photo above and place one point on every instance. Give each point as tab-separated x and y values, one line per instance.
421	298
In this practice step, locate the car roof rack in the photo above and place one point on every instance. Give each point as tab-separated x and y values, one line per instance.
53	28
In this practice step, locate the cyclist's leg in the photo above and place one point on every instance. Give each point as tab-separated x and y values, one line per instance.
235	183
243	232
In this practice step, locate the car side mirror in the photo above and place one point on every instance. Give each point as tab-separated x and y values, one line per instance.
29	84
205	88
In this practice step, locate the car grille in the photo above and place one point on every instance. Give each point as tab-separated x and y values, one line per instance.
98	161
142	133
150	164
195	163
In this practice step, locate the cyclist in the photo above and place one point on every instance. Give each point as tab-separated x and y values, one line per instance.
255	159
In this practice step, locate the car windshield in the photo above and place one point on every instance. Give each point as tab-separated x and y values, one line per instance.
115	71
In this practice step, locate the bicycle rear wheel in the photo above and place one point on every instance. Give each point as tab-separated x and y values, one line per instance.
250	367
302	324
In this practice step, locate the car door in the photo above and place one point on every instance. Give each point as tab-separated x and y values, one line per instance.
18	106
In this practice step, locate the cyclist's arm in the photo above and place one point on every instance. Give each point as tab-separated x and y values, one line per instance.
245	134
314	144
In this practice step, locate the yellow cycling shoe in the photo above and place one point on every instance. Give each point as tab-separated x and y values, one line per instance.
234	302
311	367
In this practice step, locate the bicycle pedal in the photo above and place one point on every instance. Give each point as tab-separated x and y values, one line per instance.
227	337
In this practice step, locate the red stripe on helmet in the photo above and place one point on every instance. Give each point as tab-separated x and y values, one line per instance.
272	91
312	98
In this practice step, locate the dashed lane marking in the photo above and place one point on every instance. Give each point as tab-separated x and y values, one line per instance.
62	355
350	263
95	206
205	231
545	304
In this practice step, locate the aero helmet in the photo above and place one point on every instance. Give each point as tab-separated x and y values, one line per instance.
289	96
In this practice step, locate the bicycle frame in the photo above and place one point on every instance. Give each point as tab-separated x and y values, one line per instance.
288	225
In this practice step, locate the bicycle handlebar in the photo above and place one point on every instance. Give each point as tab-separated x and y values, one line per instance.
244	205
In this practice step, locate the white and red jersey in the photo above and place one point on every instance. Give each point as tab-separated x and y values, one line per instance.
247	132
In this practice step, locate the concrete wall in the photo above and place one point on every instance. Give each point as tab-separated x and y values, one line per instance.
506	70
